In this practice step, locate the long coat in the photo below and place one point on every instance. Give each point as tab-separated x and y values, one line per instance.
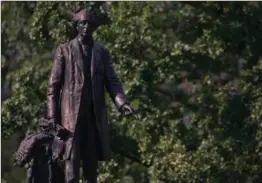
66	86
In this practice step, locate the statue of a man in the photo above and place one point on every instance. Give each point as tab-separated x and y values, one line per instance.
76	98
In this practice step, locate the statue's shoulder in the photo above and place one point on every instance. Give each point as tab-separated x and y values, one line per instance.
101	47
65	44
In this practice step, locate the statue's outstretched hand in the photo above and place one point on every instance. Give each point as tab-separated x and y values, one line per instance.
127	110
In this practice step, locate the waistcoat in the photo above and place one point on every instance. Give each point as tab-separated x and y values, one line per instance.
87	94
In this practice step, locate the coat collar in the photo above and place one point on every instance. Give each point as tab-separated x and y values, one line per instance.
78	56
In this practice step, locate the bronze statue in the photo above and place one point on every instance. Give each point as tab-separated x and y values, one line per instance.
76	98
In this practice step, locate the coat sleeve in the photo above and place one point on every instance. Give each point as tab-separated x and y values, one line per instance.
55	85
112	83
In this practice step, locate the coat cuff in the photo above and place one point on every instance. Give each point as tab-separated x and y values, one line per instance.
120	100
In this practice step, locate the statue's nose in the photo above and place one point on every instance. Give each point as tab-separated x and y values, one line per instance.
85	25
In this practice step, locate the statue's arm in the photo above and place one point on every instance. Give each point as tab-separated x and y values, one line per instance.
55	85
112	83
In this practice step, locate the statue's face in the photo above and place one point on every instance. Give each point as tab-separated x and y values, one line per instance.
84	27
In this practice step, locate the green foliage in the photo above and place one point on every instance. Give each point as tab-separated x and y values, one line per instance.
28	98
16	46
192	69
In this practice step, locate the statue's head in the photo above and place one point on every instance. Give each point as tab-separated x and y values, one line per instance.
85	23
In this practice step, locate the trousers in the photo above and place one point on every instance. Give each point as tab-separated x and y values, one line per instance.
85	149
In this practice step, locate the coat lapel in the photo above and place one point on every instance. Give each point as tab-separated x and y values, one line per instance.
77	55
96	58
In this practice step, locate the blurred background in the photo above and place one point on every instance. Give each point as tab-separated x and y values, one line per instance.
193	70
